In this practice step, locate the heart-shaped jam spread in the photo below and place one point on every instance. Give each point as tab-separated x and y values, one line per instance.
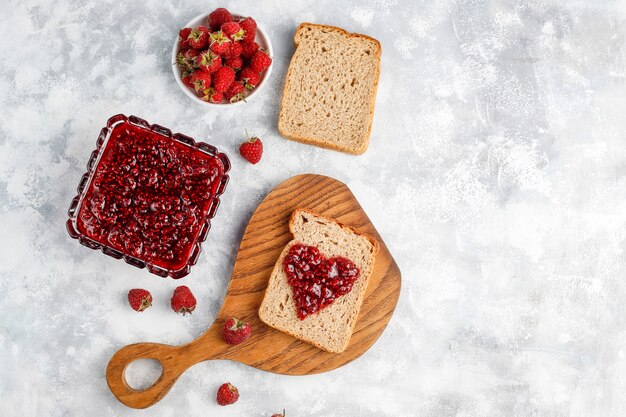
317	281
149	196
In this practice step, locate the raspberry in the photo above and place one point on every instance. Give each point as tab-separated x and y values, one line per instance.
227	394
235	331
235	92
252	150
218	17
249	77
249	28
248	49
260	61
233	31
223	78
139	299
183	300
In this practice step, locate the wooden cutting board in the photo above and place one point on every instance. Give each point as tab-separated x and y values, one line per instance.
269	349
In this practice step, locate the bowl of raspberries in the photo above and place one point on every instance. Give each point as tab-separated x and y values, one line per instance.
221	59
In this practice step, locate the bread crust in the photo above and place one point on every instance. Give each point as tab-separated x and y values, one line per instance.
278	267
373	241
372	104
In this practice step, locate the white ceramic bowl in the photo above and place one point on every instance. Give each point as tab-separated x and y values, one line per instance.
261	38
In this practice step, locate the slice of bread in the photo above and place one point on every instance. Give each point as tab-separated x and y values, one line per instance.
330	90
331	327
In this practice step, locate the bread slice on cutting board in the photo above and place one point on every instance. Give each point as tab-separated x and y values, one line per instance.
331	327
330	90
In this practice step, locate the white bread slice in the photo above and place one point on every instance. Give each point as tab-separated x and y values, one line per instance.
331	327
330	90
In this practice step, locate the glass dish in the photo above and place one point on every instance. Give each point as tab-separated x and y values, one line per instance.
148	196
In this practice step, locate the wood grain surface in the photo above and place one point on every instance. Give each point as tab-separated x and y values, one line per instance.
268	349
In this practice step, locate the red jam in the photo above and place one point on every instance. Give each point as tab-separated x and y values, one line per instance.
149	196
317	281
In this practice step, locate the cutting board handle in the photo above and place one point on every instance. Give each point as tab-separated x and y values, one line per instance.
169	357
174	361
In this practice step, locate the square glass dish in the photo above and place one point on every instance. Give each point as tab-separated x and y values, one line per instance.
148	196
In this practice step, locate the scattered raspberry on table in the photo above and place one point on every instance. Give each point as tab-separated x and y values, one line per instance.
227	394
183	300
139	299
252	150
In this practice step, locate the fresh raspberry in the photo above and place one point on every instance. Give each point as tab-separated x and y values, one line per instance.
209	61
235	63
223	78
218	17
220	48
249	28
235	331
233	31
227	394
235	92
186	79
234	50
248	49
252	150
220	44
183	300
139	299
183	39
184	33
212	96
191	55
201	80
187	60
260	61
199	37
249	77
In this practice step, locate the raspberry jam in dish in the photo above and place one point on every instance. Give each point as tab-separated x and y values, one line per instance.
317	281
149	196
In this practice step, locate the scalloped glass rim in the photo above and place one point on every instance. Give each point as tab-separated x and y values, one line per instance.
83	185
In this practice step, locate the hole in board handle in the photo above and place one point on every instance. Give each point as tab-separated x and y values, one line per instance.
141	374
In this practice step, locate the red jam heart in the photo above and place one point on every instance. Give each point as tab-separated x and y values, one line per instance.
317	281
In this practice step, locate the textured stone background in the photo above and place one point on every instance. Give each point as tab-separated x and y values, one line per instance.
496	175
